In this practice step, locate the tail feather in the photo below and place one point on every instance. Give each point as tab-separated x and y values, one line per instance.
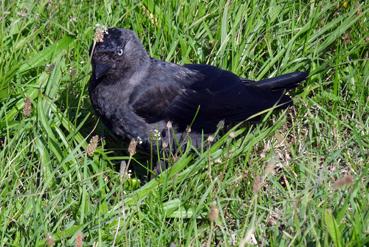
287	81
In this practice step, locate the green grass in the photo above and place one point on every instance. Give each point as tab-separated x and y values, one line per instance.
274	182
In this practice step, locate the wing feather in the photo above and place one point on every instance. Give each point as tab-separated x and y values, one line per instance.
211	95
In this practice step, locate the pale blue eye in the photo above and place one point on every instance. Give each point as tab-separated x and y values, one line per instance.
120	52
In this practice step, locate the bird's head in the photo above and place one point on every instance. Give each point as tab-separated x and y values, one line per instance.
116	50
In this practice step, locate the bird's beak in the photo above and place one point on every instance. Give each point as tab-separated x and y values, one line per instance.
100	69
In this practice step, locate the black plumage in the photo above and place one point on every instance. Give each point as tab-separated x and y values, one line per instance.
136	95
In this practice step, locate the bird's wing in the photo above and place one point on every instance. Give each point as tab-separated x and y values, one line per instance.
208	97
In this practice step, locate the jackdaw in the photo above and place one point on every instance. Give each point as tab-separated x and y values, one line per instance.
140	97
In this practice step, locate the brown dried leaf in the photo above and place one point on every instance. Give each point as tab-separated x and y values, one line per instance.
345	180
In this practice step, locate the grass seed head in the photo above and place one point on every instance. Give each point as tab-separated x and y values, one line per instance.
73	18
249	239
359	10
99	33
258	184
27	108
164	144
210	138
72	72
213	213
156	135
346	38
49	68
273	217
218	161
50	242
270	169
22	13
90	150
150	15
79	239
132	147
123	168
220	125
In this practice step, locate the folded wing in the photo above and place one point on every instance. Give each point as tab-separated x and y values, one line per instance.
204	97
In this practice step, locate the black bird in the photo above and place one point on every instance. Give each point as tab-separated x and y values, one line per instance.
136	95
